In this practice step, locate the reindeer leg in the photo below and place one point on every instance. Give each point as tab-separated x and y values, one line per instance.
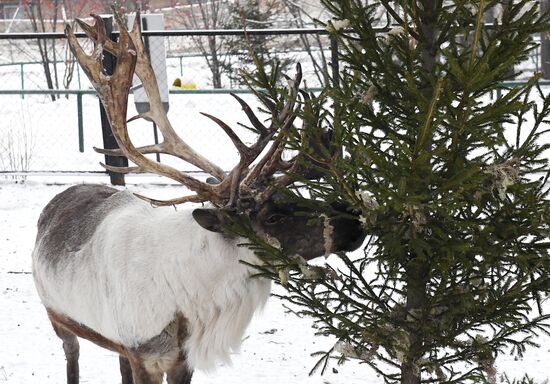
140	373
180	374
125	370
72	352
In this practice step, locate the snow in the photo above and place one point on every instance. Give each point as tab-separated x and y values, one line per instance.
276	348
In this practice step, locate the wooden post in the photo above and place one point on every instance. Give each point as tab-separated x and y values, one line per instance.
545	44
109	141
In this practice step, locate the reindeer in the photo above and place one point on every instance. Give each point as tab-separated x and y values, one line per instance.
168	290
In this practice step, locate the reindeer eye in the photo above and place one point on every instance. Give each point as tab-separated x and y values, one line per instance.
275	218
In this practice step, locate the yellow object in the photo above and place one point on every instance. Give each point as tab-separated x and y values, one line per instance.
183	85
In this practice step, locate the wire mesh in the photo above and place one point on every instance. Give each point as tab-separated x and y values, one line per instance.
40	133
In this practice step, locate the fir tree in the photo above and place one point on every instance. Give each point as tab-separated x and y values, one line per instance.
451	183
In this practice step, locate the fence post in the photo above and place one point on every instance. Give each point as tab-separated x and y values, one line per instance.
80	122
109	141
22	74
78	75
545	44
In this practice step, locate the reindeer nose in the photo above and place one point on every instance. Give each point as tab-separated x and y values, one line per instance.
355	241
349	234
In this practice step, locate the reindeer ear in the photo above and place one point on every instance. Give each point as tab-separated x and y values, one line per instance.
208	219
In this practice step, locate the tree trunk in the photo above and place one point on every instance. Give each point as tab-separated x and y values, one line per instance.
35	15
417	279
216	72
54	53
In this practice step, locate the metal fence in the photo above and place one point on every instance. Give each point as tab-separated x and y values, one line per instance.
54	131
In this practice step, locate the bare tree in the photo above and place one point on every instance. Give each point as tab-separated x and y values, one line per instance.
47	16
35	13
207	15
313	45
50	15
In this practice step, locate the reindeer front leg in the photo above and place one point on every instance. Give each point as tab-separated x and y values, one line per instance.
72	352
125	370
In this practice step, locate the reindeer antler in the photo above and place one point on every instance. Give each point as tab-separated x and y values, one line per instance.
242	177
113	92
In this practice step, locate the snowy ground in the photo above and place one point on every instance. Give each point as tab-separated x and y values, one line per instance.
276	349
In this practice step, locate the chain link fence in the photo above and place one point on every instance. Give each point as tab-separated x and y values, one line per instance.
55	131
39	135
46	131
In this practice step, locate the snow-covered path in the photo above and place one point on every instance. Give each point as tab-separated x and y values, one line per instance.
276	350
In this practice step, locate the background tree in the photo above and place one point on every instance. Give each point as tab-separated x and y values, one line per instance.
315	45
50	16
39	21
207	15
252	14
450	182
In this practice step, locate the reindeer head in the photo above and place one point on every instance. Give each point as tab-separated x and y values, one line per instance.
250	189
297	229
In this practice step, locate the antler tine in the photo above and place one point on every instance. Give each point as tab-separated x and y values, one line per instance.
119	169
176	201
281	122
113	91
163	148
91	64
241	147
269	163
247	156
307	163
293	92
251	115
